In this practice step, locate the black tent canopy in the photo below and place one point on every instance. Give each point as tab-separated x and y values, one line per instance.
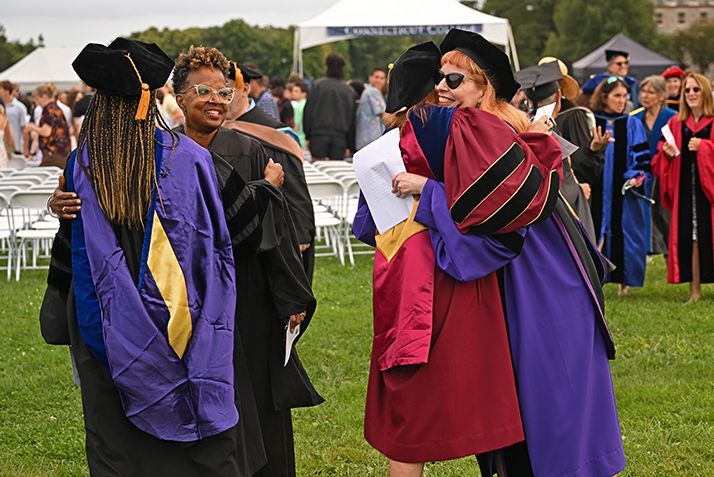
643	61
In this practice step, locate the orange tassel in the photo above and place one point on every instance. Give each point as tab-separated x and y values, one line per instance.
240	84
143	102
143	107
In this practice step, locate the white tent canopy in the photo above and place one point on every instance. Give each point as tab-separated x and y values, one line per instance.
349	19
44	65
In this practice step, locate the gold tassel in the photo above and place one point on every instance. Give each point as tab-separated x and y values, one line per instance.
240	83
143	102
143	107
391	65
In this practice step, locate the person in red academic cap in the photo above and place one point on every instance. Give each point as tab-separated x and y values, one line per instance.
673	75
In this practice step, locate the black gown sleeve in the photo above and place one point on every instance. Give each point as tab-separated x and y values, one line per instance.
54	324
587	164
250	209
298	197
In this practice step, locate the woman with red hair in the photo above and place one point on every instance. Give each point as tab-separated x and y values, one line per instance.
460	285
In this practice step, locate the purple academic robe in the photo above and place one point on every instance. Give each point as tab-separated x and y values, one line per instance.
559	343
168	341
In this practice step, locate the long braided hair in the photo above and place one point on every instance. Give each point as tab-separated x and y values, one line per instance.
122	156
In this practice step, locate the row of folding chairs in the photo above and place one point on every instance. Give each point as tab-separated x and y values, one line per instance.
26	230
17	162
335	192
35	178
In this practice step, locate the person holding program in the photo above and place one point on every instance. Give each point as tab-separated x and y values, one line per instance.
685	171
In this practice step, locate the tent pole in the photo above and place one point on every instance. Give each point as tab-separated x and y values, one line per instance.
296	40
300	63
512	48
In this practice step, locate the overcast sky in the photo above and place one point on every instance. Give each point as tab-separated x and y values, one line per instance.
78	22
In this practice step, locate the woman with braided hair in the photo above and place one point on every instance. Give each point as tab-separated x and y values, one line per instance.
143	287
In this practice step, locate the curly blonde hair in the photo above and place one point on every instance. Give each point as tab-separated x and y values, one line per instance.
196	58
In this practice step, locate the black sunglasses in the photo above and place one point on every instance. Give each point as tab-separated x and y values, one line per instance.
695	89
453	80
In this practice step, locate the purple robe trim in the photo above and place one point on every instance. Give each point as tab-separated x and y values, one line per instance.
173	399
558	346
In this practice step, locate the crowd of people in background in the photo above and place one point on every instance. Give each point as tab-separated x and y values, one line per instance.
617	128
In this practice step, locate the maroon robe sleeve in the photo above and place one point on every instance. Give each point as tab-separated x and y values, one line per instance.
497	181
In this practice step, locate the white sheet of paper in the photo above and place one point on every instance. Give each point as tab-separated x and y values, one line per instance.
566	146
669	137
375	166
289	340
546	110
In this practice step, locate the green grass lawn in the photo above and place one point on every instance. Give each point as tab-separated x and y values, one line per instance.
664	381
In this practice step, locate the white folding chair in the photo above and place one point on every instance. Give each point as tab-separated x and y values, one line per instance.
349	210
31	206
22	184
329	194
17	162
6	235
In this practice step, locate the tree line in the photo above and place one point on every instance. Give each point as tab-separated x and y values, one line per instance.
567	29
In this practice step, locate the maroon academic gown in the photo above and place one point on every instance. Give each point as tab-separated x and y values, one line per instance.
675	178
441	382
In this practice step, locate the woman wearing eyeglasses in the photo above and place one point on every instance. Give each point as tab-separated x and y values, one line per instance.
272	286
440	386
654	114
686	174
620	219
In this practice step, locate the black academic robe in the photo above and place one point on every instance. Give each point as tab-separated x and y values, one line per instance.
272	285
574	126
115	446
574	195
259	125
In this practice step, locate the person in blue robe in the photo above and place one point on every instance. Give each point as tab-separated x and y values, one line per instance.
654	114
618	64
618	205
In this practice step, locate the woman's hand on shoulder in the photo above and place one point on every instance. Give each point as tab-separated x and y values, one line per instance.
64	204
405	183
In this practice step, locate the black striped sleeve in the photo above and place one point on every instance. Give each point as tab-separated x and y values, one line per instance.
239	205
487	183
514	206
551	200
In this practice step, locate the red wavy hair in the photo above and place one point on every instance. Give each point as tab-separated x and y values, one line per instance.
501	108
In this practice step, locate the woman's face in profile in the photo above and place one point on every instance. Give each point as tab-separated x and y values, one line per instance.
466	94
616	100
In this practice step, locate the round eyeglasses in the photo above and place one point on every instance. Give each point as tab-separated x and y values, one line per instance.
205	92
